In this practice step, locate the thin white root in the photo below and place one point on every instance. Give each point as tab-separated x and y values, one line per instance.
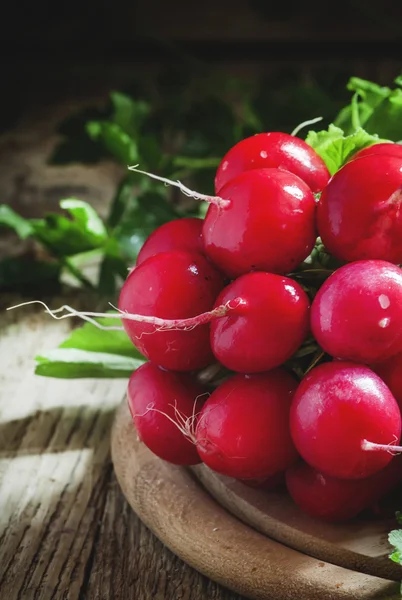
217	200
186	425
162	324
71	312
390	448
304	124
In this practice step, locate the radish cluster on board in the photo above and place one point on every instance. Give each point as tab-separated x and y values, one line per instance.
233	295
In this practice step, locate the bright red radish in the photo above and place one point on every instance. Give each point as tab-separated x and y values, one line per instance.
266	328
390	148
171	286
179	234
359	215
340	413
243	428
273	149
356	314
266	224
337	500
390	371
164	407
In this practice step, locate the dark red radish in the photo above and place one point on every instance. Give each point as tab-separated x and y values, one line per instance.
337	500
164	407
267	484
390	371
267	223
389	148
359	214
167	287
266	329
356	314
243	429
273	150
342	419
179	234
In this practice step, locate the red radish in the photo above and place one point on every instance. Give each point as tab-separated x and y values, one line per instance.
164	408
243	428
266	328
273	149
170	286
179	234
340	414
390	371
356	314
359	214
268	484
266	224
337	500
390	148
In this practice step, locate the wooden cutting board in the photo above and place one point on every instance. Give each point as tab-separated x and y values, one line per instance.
174	504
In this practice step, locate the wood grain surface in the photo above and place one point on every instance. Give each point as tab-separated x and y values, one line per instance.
186	518
66	531
360	544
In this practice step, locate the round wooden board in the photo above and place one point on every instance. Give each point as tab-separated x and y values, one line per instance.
360	545
176	507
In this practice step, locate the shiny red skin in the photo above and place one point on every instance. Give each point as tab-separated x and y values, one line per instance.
356	314
269	224
337	406
273	150
243	429
337	500
267	330
171	285
390	371
179	234
150	386
359	213
390	149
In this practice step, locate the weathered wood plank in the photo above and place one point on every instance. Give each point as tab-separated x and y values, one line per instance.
54	463
130	562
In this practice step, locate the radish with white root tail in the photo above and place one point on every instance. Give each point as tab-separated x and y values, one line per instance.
344	420
263	220
165	407
243	429
257	323
270	150
163	304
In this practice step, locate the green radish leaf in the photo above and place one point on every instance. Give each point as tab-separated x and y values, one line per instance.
395	539
70	363
92	339
115	139
336	148
145	213
129	114
9	218
65	236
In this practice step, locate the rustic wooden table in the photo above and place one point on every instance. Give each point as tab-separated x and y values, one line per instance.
66	531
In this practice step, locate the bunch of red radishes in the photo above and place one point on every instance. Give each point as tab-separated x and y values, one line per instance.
238	294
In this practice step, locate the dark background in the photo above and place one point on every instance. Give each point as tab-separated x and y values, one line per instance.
53	50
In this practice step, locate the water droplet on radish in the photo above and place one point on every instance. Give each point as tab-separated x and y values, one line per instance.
384	301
